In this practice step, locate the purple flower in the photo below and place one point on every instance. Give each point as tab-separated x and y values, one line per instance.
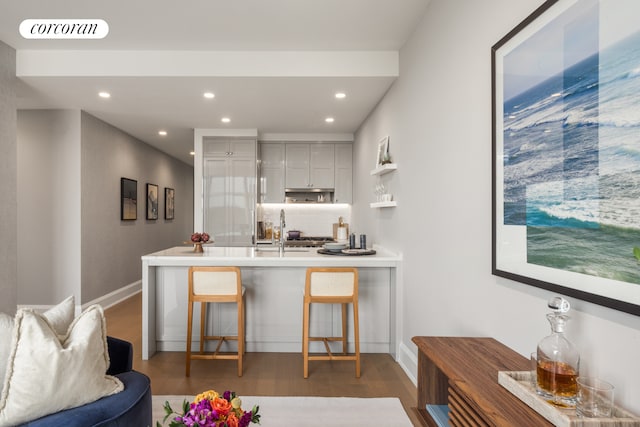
245	420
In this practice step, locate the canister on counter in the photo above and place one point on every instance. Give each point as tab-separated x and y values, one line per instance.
363	241
352	241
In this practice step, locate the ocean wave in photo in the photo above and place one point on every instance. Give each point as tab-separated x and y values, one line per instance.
571	168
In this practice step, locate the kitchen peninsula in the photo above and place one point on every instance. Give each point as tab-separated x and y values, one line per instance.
274	285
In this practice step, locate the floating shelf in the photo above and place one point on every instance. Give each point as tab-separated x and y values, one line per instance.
384	204
381	170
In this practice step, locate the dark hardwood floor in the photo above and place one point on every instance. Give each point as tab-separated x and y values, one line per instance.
265	374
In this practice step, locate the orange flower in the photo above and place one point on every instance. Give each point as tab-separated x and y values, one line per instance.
221	406
233	421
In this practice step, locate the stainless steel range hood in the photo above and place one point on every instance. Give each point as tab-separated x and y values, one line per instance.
309	195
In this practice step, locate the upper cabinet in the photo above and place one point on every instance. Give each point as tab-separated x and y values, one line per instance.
226	148
343	173
309	165
272	173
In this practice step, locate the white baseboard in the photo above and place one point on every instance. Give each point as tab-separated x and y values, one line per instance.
119	295
409	363
106	301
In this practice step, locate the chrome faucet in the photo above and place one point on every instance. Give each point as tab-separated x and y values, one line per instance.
282	225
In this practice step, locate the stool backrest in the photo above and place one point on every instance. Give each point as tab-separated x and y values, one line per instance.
340	282
215	281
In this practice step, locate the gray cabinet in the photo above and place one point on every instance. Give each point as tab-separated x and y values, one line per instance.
272	173
229	191
343	173
309	165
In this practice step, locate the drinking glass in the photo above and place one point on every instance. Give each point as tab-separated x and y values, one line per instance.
595	398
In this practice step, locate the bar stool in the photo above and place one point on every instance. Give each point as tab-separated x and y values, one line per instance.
331	286
215	285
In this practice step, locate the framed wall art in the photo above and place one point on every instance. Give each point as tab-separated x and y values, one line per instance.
383	152
152	201
128	199
169	203
566	162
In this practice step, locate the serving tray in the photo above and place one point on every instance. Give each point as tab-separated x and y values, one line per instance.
519	384
347	253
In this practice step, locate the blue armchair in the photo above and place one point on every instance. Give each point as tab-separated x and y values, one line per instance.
130	407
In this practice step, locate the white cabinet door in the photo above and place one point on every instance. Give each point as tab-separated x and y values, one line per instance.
297	166
309	166
321	166
272	173
229	147
243	147
214	147
241	200
229	191
343	173
216	221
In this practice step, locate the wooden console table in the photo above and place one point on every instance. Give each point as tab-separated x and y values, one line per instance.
463	374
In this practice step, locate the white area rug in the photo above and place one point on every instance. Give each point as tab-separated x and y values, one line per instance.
311	411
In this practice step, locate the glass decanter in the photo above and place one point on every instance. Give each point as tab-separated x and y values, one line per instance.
558	360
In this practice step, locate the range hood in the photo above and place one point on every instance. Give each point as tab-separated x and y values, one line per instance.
309	195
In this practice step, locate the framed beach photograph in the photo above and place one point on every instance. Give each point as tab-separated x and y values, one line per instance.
169	203
128	199
152	201
383	151
566	163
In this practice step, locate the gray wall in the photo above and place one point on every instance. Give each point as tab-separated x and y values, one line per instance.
69	169
438	117
48	206
8	181
111	248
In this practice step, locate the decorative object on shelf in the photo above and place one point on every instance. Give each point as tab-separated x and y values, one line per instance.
210	409
198	239
383	152
558	360
152	201
128	199
169	203
563	207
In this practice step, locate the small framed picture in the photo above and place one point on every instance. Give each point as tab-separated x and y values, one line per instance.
169	202
383	151
152	201
128	199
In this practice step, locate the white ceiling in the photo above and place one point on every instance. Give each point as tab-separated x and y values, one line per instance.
274	65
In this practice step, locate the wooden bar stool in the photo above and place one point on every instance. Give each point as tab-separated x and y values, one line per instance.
217	285
331	286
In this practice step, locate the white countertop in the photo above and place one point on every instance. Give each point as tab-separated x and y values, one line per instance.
267	257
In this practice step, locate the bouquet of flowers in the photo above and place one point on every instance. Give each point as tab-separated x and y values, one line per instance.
210	409
200	237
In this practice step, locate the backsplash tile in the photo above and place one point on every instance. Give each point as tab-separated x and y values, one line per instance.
310	219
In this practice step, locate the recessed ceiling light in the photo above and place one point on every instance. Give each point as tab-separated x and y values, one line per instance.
341	95
329	120
225	120
209	95
162	132
104	94
192	153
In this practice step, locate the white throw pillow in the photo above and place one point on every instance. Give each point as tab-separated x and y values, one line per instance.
6	332
46	374
60	318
